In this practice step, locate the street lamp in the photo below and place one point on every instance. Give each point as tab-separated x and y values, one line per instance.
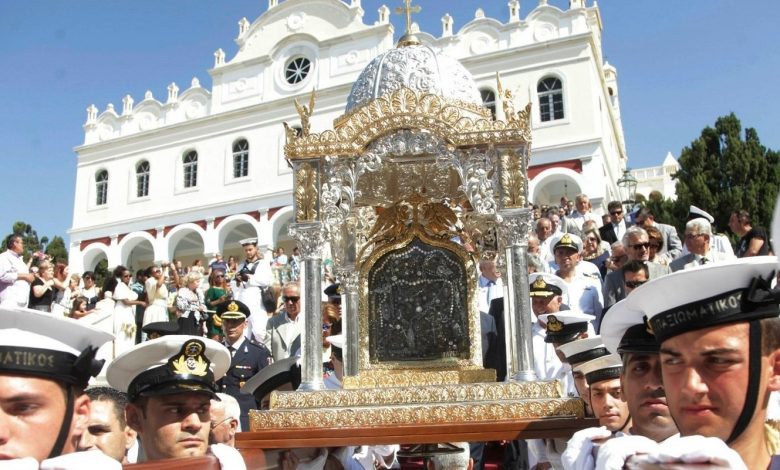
627	187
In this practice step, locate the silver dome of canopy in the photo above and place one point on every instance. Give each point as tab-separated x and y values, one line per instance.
418	68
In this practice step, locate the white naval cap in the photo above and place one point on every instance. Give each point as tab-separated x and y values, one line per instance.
603	368
248	241
624	329
272	377
583	350
546	285
565	326
57	348
168	365
710	295
566	240
696	213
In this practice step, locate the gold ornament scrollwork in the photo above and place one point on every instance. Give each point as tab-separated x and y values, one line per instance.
417	414
512	180
306	193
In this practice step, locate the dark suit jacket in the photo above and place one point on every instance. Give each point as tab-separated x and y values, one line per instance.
246	363
607	233
495	358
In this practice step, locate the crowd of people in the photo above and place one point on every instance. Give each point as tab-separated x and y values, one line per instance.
612	300
210	305
672	373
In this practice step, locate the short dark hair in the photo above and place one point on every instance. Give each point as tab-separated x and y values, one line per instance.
635	266
141	272
614	205
88	274
117	398
9	242
645	212
770	335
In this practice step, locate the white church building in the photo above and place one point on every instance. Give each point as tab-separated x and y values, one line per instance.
190	175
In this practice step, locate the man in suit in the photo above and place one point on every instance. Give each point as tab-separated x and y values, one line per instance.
283	329
248	357
573	222
614	230
672	245
698	234
637	244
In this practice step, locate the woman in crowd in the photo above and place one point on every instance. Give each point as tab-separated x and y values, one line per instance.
42	290
330	315
62	295
90	290
218	293
157	296
656	240
593	252
197	267
190	307
232	267
124	310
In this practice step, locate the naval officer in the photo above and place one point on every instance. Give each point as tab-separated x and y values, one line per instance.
248	357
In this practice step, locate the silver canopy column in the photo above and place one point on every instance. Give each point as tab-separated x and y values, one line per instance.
512	164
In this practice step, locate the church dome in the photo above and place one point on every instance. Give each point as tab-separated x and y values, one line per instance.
418	68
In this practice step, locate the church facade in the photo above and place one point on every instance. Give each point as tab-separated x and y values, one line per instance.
190	175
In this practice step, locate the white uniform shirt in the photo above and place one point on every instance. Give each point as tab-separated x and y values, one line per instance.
13	291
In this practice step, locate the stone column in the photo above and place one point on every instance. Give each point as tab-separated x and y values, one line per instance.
518	317
310	240
349	318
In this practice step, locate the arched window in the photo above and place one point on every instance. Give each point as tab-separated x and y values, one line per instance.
489	100
240	158
550	99
101	187
142	179
191	169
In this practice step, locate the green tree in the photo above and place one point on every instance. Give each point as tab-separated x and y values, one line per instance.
724	170
32	244
56	249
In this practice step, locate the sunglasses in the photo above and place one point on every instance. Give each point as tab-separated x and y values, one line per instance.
634	284
637	246
616	213
292	298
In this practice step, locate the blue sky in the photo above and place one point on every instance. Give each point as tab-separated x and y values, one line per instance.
681	64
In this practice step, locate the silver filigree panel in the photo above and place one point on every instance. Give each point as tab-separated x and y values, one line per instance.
418	305
418	68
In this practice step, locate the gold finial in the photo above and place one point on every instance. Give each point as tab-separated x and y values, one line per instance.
507	101
305	113
408	38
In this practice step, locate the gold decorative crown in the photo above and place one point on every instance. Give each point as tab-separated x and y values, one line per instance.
539	283
190	360
553	324
565	239
232	307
